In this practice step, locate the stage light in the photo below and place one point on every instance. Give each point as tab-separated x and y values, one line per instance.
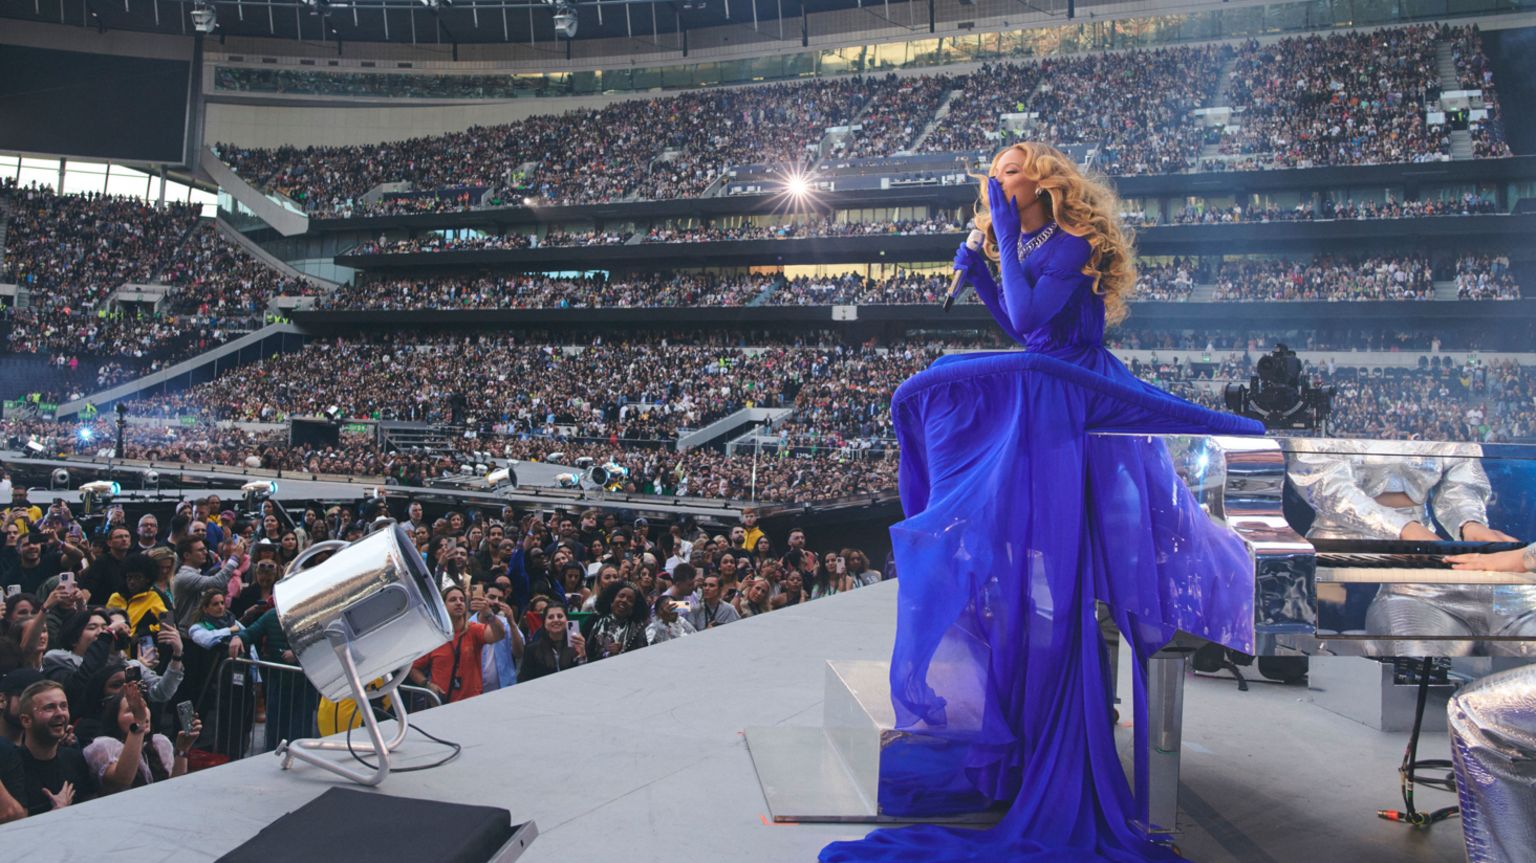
797	186
85	434
565	20
364	614
102	488
257	491
204	18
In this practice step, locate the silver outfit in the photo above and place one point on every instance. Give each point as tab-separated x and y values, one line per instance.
1342	484
1492	722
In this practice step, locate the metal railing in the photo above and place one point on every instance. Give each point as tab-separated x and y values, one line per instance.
293	708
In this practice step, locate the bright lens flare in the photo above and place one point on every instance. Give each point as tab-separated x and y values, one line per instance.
797	186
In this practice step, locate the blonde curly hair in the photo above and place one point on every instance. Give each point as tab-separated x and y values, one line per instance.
1084	206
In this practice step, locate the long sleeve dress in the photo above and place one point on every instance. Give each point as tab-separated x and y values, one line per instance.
1016	521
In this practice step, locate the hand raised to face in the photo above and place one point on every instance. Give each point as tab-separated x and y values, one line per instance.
1005	217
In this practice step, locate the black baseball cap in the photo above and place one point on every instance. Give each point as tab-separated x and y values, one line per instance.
17	680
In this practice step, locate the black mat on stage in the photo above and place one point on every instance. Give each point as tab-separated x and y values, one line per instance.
347	824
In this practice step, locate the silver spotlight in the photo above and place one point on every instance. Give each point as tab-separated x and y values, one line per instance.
204	18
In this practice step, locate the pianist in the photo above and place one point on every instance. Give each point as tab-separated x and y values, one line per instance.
1384	495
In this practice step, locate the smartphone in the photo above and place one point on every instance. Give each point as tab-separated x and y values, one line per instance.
185	715
146	645
132	674
12	589
66	577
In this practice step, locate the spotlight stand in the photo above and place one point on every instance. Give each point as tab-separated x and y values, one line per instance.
306	749
122	424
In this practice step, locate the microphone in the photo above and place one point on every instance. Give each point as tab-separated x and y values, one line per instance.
973	242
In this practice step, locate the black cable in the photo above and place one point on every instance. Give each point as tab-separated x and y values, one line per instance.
1406	778
379	714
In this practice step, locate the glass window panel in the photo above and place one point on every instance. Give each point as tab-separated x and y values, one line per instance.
45	177
128	182
1422	8
800	65
29	162
891	55
1285	17
923	52
676	77
968	48
646	79
707	74
78	182
1243	21
1013	44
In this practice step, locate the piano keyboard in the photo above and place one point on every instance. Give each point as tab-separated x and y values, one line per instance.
1387	574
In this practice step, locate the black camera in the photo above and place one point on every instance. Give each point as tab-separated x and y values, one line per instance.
1279	396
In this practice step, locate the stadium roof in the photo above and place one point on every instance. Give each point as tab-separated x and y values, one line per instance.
445	21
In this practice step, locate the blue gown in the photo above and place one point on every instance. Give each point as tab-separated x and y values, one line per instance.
1016	522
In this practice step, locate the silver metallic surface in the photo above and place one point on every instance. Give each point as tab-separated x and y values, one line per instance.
1165	699
1493	743
1240	482
1441	611
314	602
1342	478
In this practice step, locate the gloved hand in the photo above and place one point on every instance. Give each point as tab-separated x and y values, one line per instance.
1005	220
973	263
1005	226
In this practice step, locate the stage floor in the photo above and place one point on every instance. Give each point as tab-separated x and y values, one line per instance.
641	758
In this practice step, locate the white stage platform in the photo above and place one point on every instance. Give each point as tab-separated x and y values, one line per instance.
641	758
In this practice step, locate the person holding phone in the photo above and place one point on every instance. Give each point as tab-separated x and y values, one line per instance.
41	556
127	754
452	671
555	647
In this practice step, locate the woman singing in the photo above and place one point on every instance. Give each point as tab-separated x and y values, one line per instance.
1017	521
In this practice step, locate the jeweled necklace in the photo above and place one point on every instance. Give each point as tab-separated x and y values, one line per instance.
1027	249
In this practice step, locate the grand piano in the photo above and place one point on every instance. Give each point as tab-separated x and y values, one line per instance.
1342	596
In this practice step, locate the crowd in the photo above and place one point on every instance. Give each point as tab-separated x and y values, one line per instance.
1326	277
72	252
540	291
636	149
112	628
1197	213
1485	277
1171	281
1356	98
1474	72
894	118
800	228
434	242
1141	111
1336	99
383	85
632	392
1474	401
